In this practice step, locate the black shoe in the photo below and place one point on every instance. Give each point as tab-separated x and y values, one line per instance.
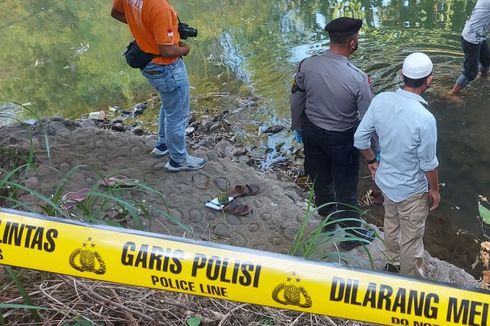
366	236
391	268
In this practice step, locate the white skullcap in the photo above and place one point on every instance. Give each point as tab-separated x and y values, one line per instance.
417	65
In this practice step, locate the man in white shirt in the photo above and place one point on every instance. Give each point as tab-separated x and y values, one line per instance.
475	46
407	171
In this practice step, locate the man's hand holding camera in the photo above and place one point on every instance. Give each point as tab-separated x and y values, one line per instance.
185	47
185	31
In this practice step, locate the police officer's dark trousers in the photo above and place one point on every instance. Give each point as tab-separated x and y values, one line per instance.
332	163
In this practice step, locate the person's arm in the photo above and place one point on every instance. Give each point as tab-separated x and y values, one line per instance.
364	96
428	160
297	100
172	51
164	29
364	99
372	161
117	11
434	195
362	139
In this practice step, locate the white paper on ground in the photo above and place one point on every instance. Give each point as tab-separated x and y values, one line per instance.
214	204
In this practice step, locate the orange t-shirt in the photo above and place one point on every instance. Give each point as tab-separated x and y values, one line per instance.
152	22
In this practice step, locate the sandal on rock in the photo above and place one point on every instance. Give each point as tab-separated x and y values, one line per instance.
249	189
72	199
237	209
119	180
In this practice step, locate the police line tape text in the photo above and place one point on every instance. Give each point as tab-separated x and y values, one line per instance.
28	236
412	302
214	268
188	286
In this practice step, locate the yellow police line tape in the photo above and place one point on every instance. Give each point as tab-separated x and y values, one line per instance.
219	271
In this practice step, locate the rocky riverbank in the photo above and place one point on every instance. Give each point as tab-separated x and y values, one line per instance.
85	152
98	150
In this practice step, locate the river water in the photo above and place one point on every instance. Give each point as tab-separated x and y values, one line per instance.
63	57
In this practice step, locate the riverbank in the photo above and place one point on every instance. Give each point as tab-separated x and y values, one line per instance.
84	152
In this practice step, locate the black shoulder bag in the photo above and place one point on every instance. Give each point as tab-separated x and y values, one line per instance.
137	58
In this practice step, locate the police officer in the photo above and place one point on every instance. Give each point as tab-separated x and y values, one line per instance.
329	96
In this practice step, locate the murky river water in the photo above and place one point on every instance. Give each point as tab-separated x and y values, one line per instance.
63	57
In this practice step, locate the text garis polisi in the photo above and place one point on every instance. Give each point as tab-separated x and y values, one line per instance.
203	267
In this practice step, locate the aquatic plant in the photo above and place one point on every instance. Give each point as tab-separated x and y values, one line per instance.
483	209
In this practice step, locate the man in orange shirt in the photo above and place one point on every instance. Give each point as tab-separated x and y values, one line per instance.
154	25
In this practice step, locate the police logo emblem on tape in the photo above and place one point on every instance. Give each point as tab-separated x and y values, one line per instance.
292	293
86	259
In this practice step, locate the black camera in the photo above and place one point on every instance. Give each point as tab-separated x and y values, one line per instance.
186	31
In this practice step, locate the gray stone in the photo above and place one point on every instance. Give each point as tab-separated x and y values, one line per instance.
215	126
87	123
138	131
31	182
239	151
221	230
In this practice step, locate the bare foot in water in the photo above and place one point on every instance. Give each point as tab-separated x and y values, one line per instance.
456	89
454	94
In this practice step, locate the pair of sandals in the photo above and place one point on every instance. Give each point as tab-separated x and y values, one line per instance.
238	209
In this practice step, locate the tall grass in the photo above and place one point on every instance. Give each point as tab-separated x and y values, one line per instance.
5	115
312	242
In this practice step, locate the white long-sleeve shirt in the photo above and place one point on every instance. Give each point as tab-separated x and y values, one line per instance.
476	28
407	138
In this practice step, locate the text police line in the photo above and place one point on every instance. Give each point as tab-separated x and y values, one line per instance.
214	270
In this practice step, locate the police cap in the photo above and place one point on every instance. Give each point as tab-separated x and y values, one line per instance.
344	25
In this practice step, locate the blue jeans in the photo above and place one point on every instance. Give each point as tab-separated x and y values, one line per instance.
172	84
474	55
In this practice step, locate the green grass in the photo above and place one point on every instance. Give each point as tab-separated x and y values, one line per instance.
4	114
312	242
114	205
95	208
100	206
25	296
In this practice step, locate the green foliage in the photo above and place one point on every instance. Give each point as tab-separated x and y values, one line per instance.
10	197
20	287
484	213
9	111
267	321
95	208
116	205
314	243
193	321
20	306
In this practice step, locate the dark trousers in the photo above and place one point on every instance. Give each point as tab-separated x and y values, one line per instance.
332	162
474	54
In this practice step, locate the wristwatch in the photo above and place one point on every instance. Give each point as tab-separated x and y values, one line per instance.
374	160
